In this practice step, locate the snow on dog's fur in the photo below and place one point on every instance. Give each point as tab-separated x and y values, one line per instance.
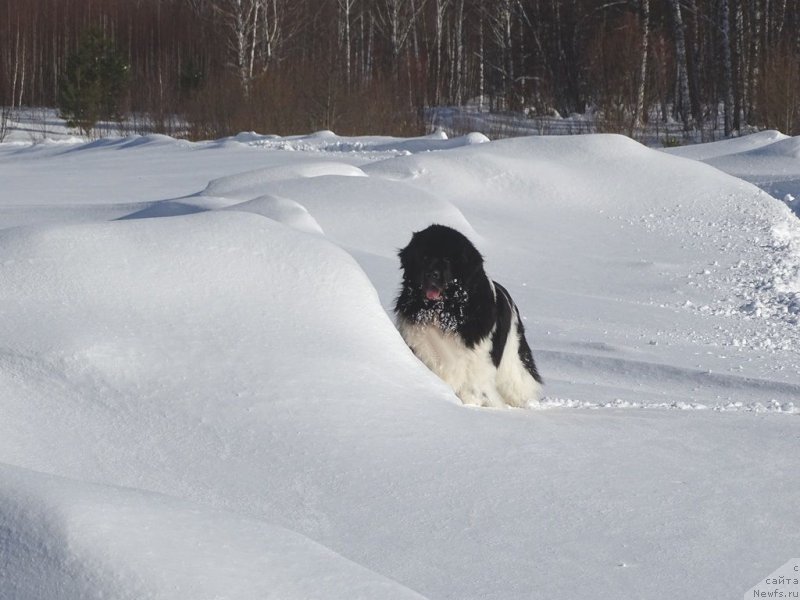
461	324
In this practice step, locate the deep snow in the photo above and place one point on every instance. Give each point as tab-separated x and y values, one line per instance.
767	159
203	394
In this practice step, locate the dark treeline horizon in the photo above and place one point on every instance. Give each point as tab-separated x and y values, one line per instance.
207	68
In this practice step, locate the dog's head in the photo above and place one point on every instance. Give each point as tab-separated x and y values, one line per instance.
439	261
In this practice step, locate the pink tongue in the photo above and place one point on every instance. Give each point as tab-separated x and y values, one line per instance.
433	294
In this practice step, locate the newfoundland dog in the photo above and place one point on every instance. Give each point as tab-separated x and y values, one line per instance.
461	324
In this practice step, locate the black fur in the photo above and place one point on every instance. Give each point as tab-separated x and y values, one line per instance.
524	350
503	324
444	283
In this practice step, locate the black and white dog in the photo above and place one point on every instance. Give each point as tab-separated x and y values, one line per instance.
461	324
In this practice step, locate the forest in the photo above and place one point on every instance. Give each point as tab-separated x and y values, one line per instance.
208	68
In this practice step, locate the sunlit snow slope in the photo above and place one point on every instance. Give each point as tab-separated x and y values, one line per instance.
767	159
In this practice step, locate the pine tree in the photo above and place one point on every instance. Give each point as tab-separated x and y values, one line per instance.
93	82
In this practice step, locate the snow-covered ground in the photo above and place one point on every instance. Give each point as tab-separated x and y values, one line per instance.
767	159
203	395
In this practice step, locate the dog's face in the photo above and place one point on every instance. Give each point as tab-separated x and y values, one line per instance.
439	262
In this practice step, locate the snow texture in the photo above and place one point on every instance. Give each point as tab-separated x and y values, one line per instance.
204	395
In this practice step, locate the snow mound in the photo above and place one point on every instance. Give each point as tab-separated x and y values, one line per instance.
386	212
785	147
177	208
247	184
767	159
747	143
283	210
123	314
91	276
76	541
766	283
164	208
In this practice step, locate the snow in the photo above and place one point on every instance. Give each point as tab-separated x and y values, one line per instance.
87	541
203	394
768	159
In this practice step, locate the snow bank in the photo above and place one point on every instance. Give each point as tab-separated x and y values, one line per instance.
243	185
747	143
767	159
70	539
286	211
215	309
368	214
768	281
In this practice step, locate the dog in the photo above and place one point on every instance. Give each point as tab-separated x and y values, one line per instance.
462	325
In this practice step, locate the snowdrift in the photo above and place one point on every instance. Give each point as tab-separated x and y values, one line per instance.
767	159
77	540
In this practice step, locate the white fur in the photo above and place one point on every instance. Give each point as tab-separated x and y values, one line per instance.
514	382
470	371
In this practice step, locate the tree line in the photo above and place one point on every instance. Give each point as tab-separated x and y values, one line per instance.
207	68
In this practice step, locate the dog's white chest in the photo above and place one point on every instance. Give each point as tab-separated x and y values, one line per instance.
439	350
469	371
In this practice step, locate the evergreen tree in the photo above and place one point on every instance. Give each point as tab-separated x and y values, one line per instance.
93	82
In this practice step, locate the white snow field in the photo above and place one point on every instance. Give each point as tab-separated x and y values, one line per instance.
203	394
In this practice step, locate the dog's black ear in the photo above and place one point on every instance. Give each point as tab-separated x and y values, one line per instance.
407	254
471	261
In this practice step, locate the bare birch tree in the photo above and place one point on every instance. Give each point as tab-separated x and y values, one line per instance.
396	19
683	104
345	17
238	18
439	21
644	17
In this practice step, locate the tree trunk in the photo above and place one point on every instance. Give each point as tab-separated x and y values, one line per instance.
738	64
346	8
441	7
253	41
508	54
460	63
481	63
693	68
727	66
754	75
644	12
683	100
